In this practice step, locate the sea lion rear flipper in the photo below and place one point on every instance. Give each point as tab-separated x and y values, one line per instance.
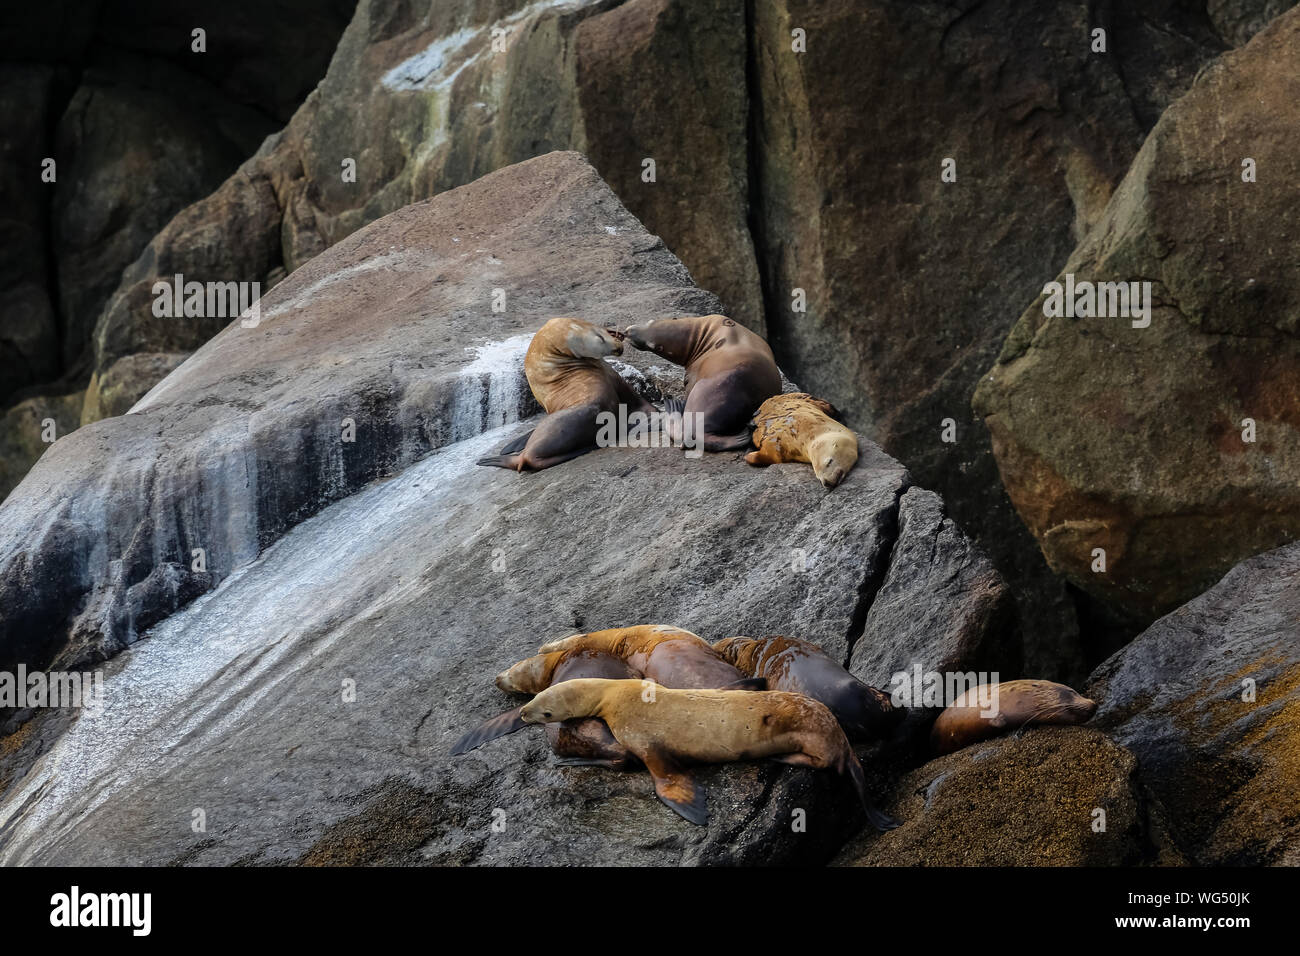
736	442
674	406
500	461
498	726
676	788
517	445
607	763
748	683
881	821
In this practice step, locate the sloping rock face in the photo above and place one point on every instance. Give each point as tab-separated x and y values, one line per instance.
1173	446
1020	801
1208	698
359	622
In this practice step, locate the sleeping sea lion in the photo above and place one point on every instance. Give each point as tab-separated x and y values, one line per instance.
665	654
798	427
804	668
991	709
670	729
569	377
729	372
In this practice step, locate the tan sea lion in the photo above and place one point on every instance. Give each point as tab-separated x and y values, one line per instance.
585	741
798	427
670	729
729	372
665	654
991	709
802	667
569	377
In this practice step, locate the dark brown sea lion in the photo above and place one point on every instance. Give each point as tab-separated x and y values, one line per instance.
804	668
991	709
578	741
569	377
665	654
670	729
729	372
798	427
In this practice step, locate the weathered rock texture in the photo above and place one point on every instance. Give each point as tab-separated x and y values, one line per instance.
415	589
139	125
1132	440
1208	698
1019	801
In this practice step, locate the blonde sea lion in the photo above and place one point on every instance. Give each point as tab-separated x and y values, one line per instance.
729	372
569	377
577	741
802	667
991	709
671	729
665	654
798	427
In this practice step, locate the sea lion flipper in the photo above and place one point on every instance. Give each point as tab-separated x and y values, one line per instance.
676	788
747	683
498	726
517	445
674	406
736	442
881	821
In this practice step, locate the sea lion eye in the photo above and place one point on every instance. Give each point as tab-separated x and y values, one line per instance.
546	713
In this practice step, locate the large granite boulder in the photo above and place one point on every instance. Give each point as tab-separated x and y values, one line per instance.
369	591
1032	800
1172	442
1208	699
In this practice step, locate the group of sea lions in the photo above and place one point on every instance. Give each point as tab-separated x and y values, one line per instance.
733	389
662	697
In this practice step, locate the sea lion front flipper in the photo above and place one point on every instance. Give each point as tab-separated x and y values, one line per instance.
676	788
748	683
767	455
498	726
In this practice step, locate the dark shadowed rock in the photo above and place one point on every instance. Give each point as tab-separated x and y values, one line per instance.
394	567
1020	801
25	433
1208	698
941	607
1134	439
1239	20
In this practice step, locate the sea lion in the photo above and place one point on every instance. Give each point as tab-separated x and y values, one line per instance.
566	370
798	427
729	372
665	654
991	709
578	741
804	668
673	728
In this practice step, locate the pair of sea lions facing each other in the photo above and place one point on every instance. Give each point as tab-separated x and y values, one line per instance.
677	659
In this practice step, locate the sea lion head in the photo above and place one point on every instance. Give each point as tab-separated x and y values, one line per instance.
832	455
566	700
584	340
678	338
530	676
